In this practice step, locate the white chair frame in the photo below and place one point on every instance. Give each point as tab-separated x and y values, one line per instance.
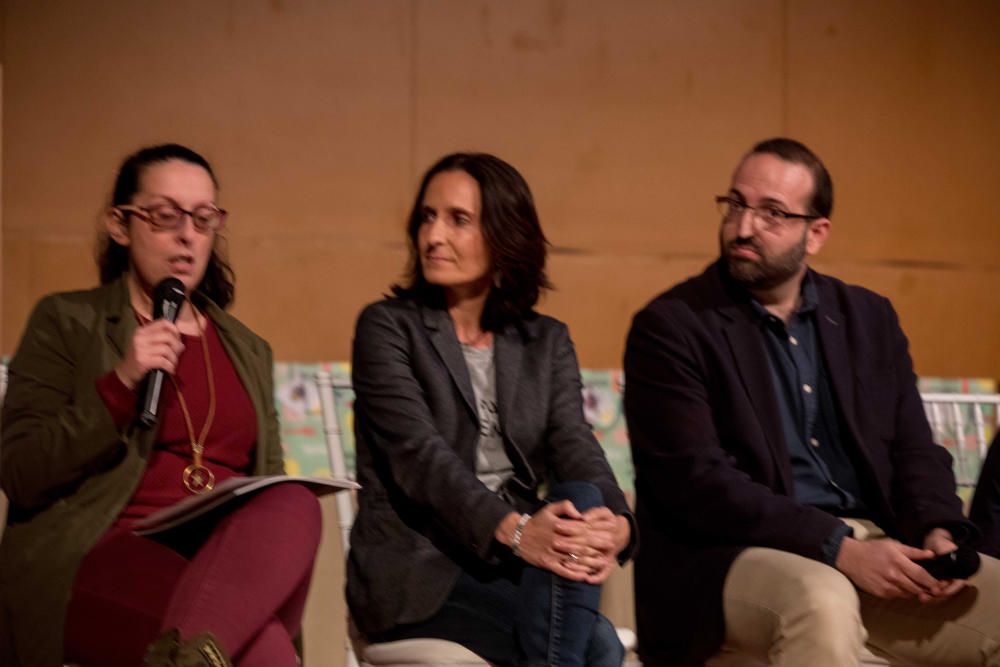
947	415
338	466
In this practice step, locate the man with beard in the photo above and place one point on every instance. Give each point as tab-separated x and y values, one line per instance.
787	484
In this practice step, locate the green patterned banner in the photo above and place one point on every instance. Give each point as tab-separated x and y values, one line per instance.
307	451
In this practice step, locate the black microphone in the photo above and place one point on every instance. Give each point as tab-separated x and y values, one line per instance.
168	297
959	564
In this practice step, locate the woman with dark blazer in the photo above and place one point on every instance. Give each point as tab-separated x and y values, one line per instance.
79	468
468	406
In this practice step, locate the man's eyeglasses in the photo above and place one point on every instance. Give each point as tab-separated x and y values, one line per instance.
168	217
771	217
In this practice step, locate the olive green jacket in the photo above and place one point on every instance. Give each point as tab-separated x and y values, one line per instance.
67	469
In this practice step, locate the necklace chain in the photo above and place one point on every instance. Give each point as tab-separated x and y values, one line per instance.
197	478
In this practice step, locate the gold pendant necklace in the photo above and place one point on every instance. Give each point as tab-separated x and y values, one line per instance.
197	478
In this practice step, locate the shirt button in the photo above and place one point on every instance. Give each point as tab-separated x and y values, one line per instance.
793	340
814	442
806	388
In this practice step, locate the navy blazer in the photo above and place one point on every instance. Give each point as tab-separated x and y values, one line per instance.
713	474
423	515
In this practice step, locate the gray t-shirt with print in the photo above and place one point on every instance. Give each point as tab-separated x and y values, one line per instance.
493	466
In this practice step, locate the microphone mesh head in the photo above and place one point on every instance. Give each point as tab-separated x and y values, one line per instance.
167	298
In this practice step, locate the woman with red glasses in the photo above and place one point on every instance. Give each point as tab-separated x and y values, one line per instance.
80	467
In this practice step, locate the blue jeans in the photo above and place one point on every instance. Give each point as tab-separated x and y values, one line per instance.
525	616
558	622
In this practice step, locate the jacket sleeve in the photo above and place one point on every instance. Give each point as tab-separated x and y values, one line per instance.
52	435
687	479
400	429
275	455
985	510
574	453
923	492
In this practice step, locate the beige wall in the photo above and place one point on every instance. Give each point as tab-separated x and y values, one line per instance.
626	117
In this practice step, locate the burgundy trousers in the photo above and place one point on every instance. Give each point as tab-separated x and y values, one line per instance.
243	576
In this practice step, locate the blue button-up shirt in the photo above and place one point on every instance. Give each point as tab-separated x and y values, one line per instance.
823	473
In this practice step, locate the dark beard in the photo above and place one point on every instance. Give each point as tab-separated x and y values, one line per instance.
768	271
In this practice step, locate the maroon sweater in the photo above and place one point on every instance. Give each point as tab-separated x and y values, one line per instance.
230	442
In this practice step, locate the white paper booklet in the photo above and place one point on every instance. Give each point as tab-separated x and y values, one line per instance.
226	492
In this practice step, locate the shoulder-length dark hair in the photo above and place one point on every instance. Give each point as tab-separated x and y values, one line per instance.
513	235
218	284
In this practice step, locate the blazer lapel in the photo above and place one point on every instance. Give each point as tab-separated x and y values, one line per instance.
236	347
833	343
508	354
121	322
445	342
508	350
239	349
750	357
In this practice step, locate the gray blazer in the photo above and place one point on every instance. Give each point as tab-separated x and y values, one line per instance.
423	515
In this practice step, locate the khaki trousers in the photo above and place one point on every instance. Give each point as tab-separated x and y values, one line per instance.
797	612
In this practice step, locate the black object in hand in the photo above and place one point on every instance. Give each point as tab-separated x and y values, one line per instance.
959	564
168	297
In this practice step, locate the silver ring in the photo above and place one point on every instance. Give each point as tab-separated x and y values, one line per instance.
574	558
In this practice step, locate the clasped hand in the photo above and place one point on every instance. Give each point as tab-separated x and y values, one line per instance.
889	569
156	345
577	546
